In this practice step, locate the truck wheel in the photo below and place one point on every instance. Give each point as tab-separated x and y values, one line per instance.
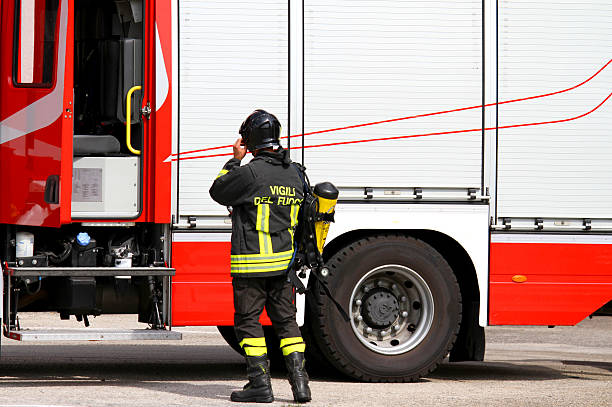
404	304
227	332
316	362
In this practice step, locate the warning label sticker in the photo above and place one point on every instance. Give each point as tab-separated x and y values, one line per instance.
87	185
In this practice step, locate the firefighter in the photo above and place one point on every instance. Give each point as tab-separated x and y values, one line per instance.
265	197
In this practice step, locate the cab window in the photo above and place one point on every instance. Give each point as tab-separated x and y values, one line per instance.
34	42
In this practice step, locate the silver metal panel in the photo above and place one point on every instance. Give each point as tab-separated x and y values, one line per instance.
559	170
370	61
105	187
86	334
233	59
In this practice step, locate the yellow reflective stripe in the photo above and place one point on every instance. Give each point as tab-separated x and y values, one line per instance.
255	351
254	346
222	173
290	345
266	218
258	258
291	341
259	267
294	214
253	342
263	223
300	347
258	224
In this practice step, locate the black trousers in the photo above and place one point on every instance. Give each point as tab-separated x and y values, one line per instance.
252	294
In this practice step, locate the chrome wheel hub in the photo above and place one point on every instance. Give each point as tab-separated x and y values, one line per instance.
392	309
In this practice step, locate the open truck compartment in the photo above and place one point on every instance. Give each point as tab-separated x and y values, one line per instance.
108	63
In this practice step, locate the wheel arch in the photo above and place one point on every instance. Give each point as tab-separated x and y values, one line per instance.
452	251
470	340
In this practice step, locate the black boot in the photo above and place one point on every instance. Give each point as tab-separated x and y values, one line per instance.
298	377
259	387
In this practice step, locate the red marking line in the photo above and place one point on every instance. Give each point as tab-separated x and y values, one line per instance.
179	155
423	134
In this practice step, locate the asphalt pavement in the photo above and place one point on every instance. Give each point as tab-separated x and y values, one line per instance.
524	366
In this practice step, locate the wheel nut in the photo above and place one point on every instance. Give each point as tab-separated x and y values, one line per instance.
369	330
404	314
383	333
358	303
394	286
379	283
403	299
396	327
359	318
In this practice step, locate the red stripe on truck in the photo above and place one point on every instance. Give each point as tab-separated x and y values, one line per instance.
565	282
202	286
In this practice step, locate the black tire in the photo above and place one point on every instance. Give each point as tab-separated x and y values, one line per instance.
339	341
316	362
227	332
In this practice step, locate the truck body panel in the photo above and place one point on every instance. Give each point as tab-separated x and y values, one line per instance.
479	125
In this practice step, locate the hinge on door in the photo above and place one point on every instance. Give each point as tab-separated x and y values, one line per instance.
507	222
539	224
418	193
192	221
146	111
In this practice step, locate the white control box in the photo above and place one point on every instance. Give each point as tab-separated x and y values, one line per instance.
105	187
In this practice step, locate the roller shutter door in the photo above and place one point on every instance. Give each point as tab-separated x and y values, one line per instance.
233	60
560	170
368	61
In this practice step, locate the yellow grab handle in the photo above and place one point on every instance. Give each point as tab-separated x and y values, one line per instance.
128	119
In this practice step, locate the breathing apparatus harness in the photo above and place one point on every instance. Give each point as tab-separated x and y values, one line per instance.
315	215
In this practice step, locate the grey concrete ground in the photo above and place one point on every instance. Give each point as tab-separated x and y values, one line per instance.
524	366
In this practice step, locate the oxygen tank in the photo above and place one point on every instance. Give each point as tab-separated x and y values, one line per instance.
327	195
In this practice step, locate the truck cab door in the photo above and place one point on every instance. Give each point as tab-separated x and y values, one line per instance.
36	112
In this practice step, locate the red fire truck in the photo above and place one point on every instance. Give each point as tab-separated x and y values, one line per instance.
469	140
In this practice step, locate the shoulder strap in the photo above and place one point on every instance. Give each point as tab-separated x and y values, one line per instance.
301	170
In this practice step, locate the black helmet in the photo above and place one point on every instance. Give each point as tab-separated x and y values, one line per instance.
260	130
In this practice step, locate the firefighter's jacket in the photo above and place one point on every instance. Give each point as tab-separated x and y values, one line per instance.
265	195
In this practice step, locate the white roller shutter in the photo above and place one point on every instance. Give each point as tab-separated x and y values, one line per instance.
233	60
369	61
559	170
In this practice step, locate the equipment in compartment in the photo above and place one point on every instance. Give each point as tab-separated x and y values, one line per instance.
77	295
84	251
24	251
121	254
24	244
104	187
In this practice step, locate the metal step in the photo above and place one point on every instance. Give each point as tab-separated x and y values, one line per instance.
91	271
86	334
